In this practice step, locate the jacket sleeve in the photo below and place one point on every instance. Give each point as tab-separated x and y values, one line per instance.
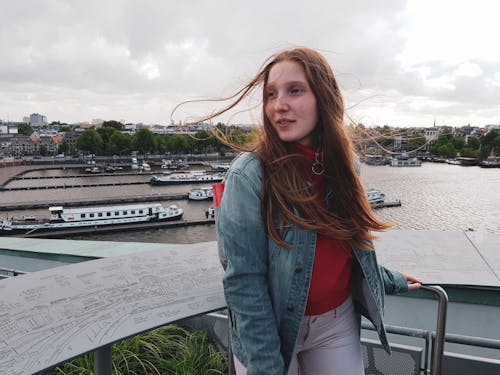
394	282
241	233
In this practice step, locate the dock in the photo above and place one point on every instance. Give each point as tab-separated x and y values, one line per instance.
109	228
93	202
386	204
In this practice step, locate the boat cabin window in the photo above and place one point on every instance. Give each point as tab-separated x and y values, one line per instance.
140	212
117	213
83	216
133	212
91	215
108	213
99	214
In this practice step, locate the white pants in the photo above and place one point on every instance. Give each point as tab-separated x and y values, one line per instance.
328	344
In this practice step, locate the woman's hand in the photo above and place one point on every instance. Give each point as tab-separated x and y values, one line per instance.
413	282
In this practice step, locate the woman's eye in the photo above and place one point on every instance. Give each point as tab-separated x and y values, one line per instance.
296	90
270	94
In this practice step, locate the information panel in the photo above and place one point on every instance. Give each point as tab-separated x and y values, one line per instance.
50	316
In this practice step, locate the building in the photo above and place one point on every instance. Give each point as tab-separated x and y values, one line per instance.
8	128
37	120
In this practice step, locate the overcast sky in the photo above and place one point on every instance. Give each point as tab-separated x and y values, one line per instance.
400	63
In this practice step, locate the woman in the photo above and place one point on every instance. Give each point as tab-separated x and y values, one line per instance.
294	225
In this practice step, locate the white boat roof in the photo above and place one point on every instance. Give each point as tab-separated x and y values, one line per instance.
110	208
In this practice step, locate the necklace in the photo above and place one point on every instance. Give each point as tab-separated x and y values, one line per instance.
318	168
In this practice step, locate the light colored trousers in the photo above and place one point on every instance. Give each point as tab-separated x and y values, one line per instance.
328	344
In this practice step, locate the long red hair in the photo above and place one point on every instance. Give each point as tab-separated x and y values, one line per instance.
286	194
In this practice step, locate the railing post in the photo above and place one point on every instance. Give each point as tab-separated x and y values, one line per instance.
438	347
102	361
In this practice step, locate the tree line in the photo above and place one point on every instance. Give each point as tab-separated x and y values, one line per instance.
387	139
109	139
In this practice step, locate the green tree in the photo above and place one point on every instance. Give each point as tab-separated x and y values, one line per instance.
90	141
63	148
459	143
178	143
120	143
162	144
64	129
469	152
473	143
144	141
43	150
496	144
113	124
446	150
106	132
25	129
201	141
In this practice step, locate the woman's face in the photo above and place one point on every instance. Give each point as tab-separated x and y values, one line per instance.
290	104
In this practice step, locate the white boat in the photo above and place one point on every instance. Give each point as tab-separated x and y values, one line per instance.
375	196
210	213
405	161
173	165
134	166
221	166
94	169
186	178
491	162
201	194
61	218
145	167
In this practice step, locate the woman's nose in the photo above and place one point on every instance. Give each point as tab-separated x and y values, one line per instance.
281	103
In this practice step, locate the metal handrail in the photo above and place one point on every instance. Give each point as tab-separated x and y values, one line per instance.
438	338
438	346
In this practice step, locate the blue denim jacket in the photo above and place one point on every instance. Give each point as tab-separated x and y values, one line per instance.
266	287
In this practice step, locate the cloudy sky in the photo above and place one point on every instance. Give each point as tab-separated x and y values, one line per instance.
400	63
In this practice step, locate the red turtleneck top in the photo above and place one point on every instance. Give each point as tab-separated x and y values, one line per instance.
331	277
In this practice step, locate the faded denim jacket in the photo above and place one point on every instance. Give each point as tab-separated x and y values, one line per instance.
266	287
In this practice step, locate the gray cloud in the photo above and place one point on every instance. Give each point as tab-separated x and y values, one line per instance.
136	60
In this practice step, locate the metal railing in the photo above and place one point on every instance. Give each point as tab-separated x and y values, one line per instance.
434	340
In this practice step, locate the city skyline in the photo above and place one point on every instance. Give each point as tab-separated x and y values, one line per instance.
399	63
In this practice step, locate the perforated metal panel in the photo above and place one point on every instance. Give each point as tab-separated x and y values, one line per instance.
405	360
461	364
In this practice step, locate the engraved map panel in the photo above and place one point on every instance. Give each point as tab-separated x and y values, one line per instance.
50	316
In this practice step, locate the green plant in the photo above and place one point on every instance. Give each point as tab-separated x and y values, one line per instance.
169	350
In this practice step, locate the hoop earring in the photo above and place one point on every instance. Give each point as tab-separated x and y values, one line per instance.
318	168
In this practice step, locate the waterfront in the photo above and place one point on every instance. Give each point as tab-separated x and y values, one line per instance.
434	196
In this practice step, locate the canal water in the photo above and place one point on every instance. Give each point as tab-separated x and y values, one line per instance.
434	196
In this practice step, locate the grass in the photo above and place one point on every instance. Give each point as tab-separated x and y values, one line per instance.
169	350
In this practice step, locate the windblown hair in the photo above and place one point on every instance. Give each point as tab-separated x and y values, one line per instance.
286	194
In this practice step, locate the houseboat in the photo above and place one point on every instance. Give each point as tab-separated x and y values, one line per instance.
201	194
186	178
405	161
377	160
61	218
491	162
